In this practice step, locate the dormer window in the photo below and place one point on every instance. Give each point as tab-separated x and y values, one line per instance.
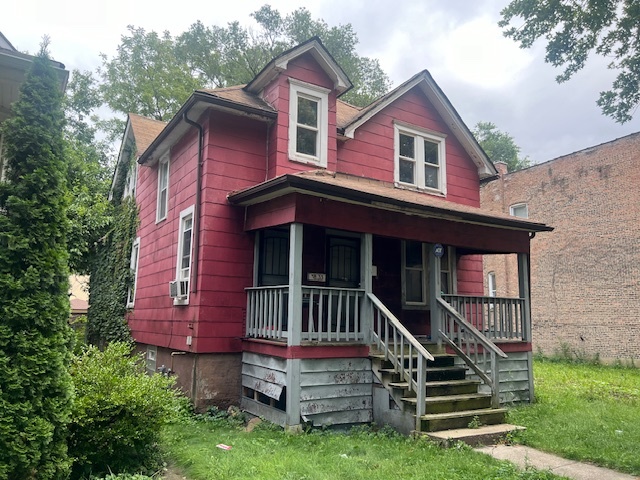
308	123
420	159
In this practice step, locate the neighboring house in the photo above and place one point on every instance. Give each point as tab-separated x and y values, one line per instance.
79	294
586	276
296	254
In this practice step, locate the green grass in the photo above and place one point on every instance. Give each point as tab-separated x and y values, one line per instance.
584	412
270	453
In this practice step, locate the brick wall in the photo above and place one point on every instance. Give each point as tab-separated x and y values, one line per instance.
585	275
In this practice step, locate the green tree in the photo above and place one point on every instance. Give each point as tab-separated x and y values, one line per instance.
89	171
153	75
146	77
35	386
499	146
575	29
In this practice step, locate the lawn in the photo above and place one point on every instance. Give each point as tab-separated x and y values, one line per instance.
269	453
584	412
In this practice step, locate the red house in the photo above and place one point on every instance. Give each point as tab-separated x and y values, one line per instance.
317	262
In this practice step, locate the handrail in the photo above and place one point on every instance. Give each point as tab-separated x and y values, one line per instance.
401	328
465	339
486	343
400	347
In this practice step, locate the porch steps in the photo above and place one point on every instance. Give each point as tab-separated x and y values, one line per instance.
444	387
453	401
486	435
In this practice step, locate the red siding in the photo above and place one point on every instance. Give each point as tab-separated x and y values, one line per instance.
371	152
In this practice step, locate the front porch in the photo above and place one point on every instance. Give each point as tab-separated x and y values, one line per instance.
315	353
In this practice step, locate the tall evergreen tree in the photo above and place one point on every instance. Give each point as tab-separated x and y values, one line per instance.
35	386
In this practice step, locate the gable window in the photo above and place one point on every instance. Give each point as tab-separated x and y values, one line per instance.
163	188
519	210
183	267
308	123
420	159
133	265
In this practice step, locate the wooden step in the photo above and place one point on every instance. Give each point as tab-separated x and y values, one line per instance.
436	373
439	359
453	403
444	387
486	435
446	421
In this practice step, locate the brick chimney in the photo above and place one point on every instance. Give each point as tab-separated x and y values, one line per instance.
502	168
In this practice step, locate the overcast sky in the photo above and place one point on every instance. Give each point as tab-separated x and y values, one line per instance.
486	76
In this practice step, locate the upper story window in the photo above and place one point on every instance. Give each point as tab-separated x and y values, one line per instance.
163	188
133	265
519	210
308	123
130	182
183	267
420	159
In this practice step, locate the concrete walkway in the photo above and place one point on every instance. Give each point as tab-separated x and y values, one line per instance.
527	456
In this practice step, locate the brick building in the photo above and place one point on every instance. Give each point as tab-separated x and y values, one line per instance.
586	274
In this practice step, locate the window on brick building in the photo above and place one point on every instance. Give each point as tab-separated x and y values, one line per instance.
491	284
519	210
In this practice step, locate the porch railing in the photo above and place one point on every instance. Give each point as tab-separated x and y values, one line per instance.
478	352
267	312
496	317
332	314
400	348
326	314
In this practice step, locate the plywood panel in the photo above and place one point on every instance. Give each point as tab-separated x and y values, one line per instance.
335	405
272	390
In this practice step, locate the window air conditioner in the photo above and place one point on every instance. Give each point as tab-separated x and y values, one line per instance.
179	289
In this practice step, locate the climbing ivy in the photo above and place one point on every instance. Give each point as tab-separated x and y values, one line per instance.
110	272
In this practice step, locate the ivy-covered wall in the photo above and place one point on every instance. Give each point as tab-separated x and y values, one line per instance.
111	275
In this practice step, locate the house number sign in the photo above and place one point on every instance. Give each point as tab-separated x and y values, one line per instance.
438	250
316	277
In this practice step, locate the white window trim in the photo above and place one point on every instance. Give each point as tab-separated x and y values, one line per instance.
321	95
184	214
131	180
515	206
491	284
423	134
133	265
163	161
151	360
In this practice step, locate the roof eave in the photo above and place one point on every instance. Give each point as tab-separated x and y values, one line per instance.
436	96
197	103
294	183
279	64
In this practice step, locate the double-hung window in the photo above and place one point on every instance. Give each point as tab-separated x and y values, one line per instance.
491	284
415	273
183	267
163	188
308	123
135	255
420	159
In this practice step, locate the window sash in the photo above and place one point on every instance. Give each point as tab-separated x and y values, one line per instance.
133	265
163	190
420	159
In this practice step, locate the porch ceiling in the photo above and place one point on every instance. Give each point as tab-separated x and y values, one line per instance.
376	194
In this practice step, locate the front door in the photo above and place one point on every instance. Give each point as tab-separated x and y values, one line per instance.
343	262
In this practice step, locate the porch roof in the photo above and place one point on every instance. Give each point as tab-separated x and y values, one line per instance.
377	194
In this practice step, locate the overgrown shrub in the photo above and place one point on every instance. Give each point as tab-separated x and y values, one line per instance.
118	412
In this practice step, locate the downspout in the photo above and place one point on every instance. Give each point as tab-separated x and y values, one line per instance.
196	217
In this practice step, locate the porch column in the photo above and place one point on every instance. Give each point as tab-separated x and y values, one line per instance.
366	275
435	292
295	286
525	292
